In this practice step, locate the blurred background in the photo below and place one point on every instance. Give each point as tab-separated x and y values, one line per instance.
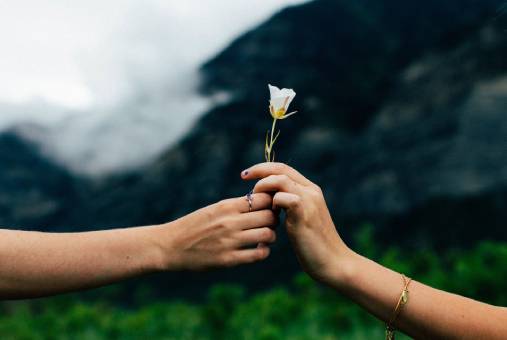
124	113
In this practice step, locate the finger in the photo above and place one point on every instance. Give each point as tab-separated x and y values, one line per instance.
256	219
275	183
263	170
254	236
259	201
249	255
286	201
276	211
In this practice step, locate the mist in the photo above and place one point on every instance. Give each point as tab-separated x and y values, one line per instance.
106	86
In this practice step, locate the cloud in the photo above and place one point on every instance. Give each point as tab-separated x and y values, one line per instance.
112	83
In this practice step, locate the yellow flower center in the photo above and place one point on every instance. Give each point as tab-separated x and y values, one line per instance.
280	113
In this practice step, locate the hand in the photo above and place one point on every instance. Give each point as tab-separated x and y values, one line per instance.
225	234
309	224
221	235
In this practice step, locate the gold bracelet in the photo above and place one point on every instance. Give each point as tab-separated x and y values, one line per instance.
402	301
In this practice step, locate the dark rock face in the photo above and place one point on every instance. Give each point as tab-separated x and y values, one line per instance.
441	138
401	121
35	193
343	55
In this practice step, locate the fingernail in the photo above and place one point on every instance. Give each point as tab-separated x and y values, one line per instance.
245	173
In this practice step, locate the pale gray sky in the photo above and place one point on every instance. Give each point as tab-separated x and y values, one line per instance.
78	68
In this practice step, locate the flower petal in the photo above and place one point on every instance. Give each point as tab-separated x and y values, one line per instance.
273	91
288	115
290	94
278	103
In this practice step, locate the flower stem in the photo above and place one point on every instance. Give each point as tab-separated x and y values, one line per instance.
273	130
271	141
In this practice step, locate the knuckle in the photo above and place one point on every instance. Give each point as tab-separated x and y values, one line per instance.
277	197
279	166
223	205
315	193
226	224
221	244
209	214
260	184
231	203
282	178
296	202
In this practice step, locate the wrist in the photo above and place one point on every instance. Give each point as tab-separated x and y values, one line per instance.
342	268
164	257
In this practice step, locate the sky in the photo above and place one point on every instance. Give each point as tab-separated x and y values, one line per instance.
105	85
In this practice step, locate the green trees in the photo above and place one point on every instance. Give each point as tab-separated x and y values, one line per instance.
301	310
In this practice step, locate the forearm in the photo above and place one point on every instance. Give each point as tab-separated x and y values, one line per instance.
429	313
34	264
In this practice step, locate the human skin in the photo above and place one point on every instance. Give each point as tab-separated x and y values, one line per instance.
429	314
225	234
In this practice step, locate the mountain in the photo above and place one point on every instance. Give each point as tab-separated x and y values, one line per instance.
401	122
35	193
342	55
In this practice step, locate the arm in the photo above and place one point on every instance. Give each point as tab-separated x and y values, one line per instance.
34	264
429	313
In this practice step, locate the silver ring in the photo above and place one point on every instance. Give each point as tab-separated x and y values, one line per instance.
249	198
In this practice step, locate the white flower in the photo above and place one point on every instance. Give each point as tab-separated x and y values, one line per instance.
280	101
